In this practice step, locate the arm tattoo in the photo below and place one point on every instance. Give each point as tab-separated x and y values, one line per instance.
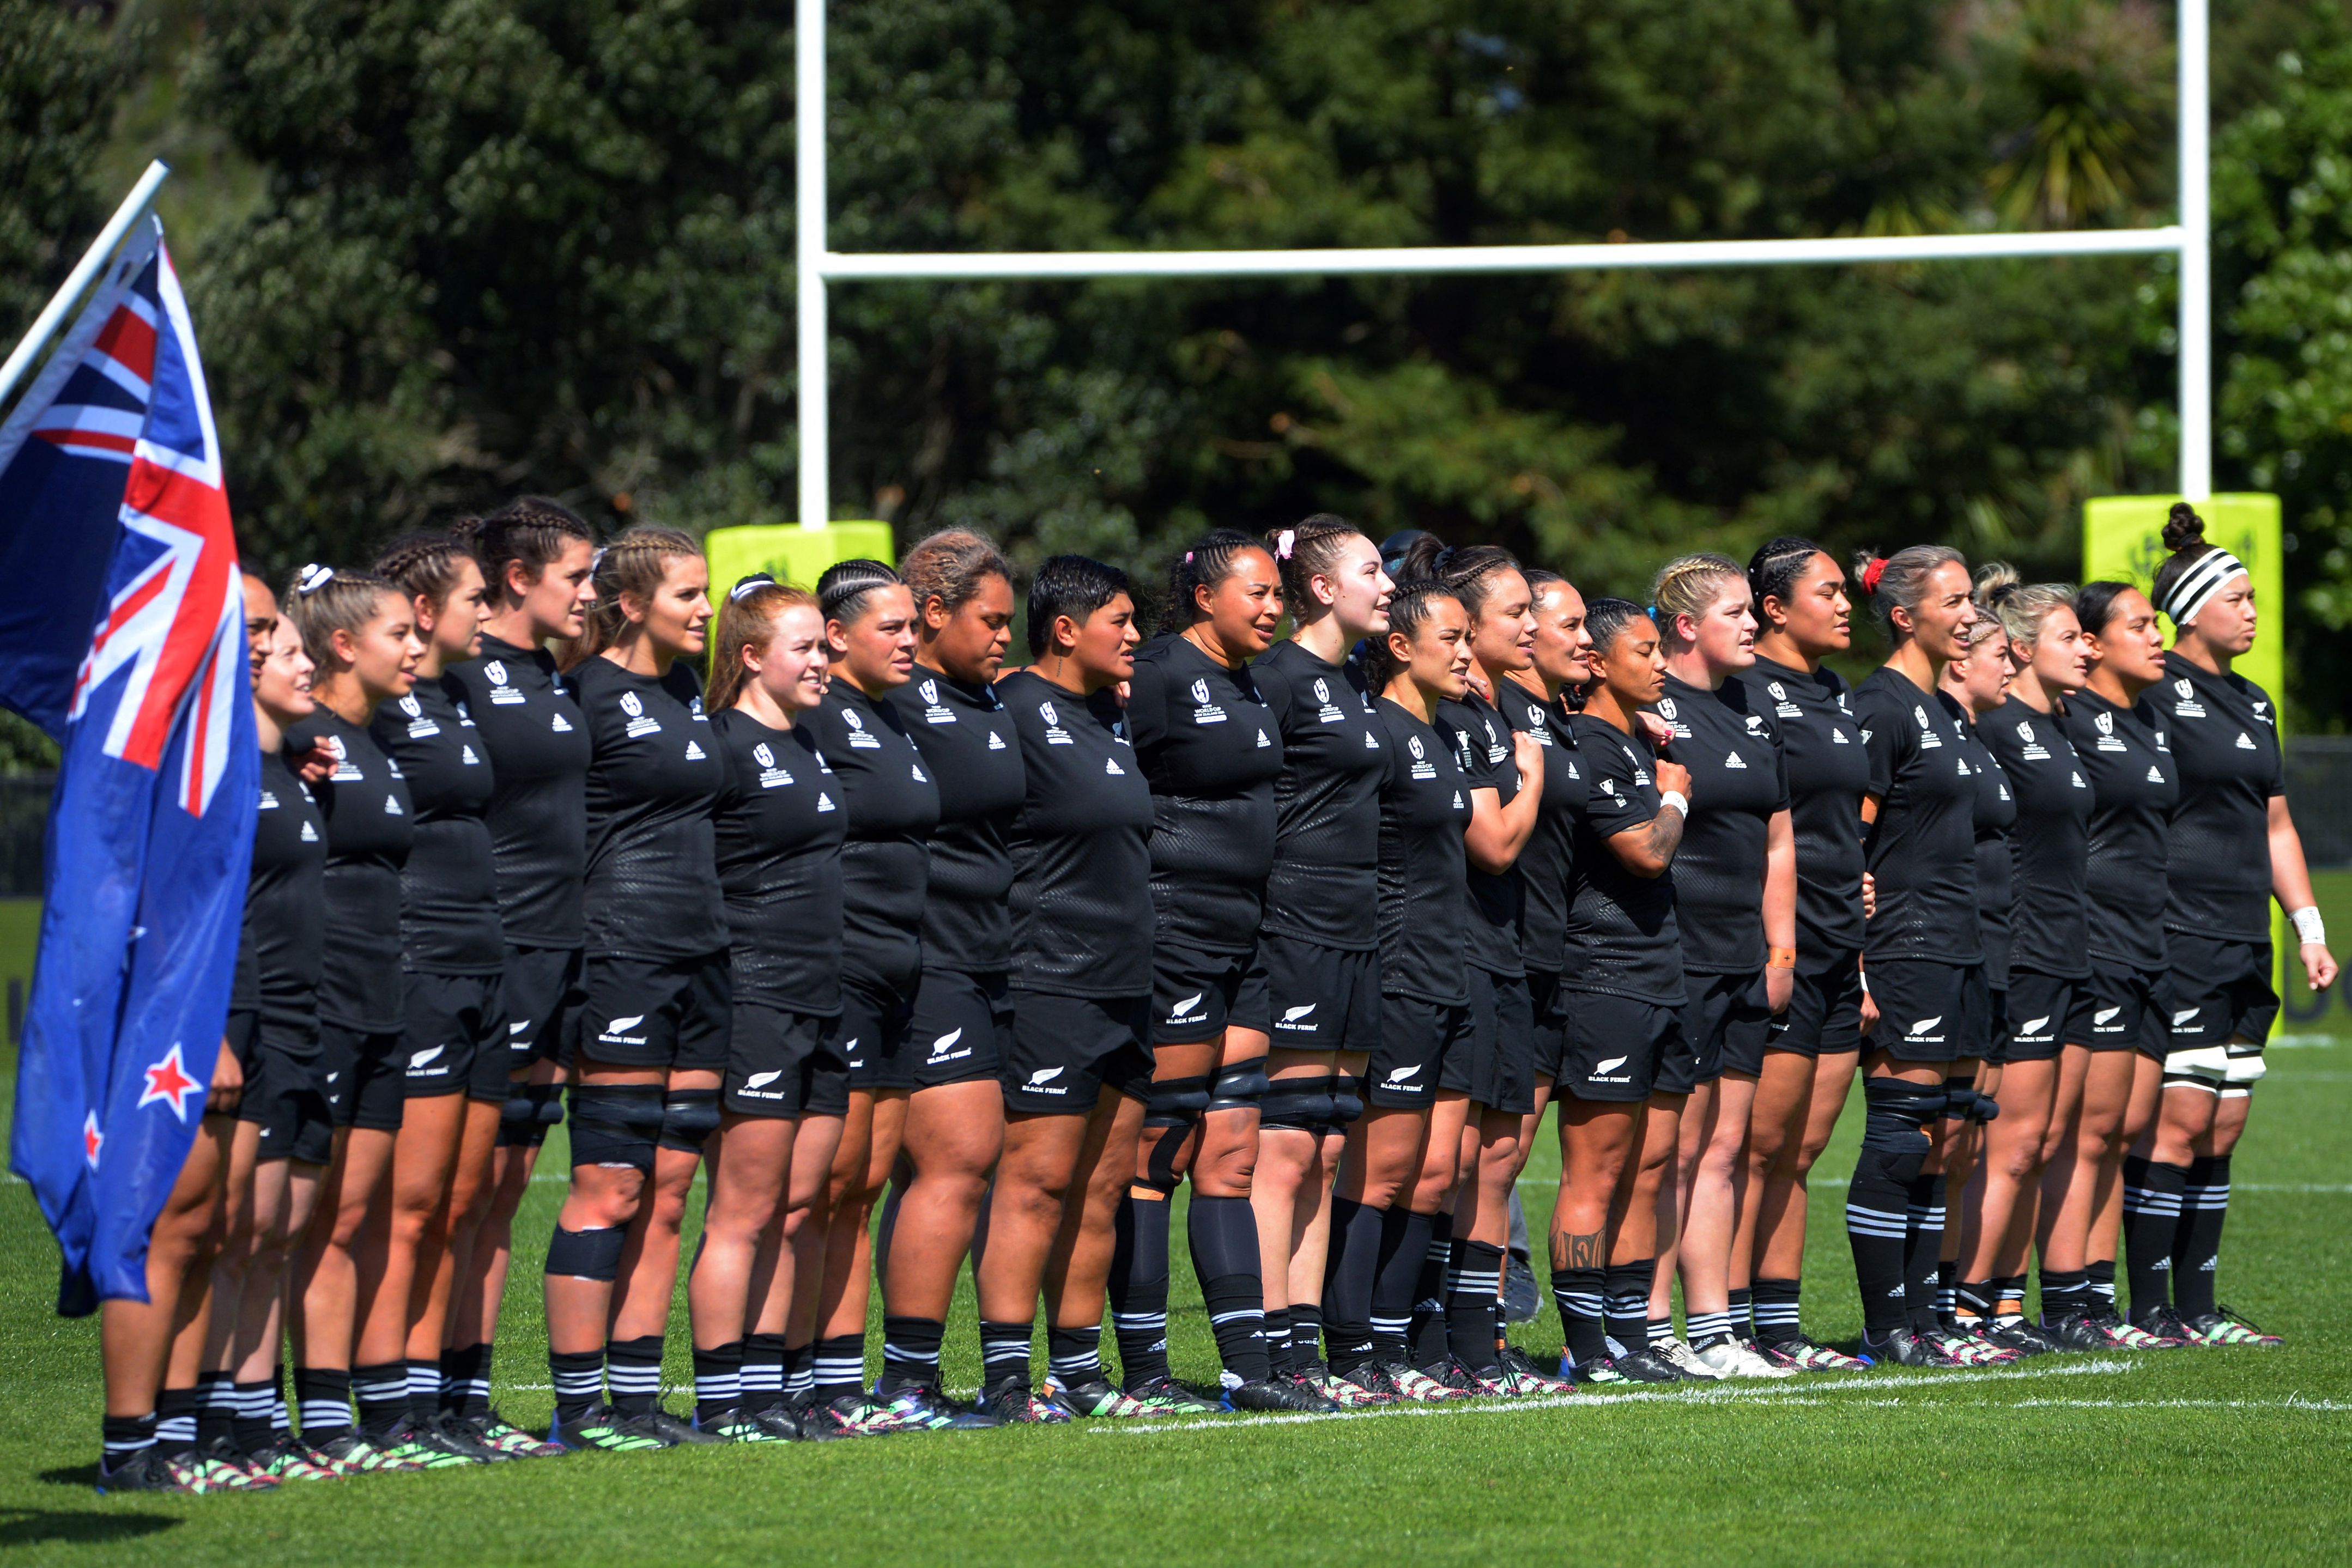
1665	833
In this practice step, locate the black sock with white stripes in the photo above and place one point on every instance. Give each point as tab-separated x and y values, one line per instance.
1578	1294
1074	1357
1923	1247
1278	1348
762	1375
1004	1352
382	1390
2065	1291
1626	1306
1426	1334
2197	1245
839	1366
1138	1282
1877	1225
1222	1233
633	1368
578	1376
910	1352
1742	1311
2101	1277
717	1382
2152	1202
1773	1305
1473	1274
1350	1276
1404	1248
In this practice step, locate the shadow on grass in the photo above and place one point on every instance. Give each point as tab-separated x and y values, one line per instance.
33	1526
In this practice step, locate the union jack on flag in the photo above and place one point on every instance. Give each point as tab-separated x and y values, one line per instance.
122	632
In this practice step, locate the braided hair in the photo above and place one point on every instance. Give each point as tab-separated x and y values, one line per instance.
1414	606
533	531
1305	551
1206	563
633	563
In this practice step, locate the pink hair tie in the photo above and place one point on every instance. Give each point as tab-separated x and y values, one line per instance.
1282	542
1187	557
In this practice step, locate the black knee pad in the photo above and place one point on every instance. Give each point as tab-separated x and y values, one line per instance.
1176	1102
1347	1100
1303	1104
689	1116
586	1254
1963	1104
530	1110
1898	1114
616	1125
1239	1087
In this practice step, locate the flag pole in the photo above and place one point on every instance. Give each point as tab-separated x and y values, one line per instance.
44	327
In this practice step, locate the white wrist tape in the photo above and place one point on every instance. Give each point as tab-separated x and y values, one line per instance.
1680	802
2309	929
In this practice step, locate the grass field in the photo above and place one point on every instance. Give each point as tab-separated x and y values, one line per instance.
2184	1457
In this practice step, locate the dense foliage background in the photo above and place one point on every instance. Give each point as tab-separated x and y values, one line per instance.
443	250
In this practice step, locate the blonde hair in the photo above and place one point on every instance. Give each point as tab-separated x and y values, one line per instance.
2020	607
321	601
1690	585
633	563
747	620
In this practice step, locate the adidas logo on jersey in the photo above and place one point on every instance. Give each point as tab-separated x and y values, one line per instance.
2245	741
2155	774
693	751
1111	767
392	807
995	741
1733	760
824	803
917	769
310	834
1261	740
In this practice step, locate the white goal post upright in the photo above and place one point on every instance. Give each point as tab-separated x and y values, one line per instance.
2189	239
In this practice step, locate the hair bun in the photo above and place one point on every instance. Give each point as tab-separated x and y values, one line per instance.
2183	528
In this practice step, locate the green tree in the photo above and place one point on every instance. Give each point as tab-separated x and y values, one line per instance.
2283	208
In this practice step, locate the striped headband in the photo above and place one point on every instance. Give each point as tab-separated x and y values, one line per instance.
2198	585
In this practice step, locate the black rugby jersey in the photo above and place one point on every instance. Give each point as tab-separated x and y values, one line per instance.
1543	863
779	826
1738	783
449	886
1829	772
1425	901
1481	739
1081	846
1922	848
2224	736
371	822
2050	843
1622	937
653	772
1995	815
972	754
1322	884
537	746
280	954
1210	751
893	806
2133	790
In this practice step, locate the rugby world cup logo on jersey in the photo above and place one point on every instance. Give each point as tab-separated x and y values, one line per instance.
1055	734
1325	713
639	723
1203	710
501	693
2105	724
860	740
2184	699
770	776
1422	768
1928	736
933	712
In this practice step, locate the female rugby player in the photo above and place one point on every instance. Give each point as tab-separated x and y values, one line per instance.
1623	972
963	1020
1319	940
1464	1183
284	1136
1923	954
1736	905
1976	681
777	828
361	634
1803	616
1079	1071
892	805
2106	1097
655	1015
452	953
536	558
2232	848
2049	975
1380	1240
1210	750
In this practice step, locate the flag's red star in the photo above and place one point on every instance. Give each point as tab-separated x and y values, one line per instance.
168	1080
90	1139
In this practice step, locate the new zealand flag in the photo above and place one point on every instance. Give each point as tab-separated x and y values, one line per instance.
122	633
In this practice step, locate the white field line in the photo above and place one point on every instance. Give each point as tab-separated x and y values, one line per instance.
2290	1186
1807	1393
2304	1042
